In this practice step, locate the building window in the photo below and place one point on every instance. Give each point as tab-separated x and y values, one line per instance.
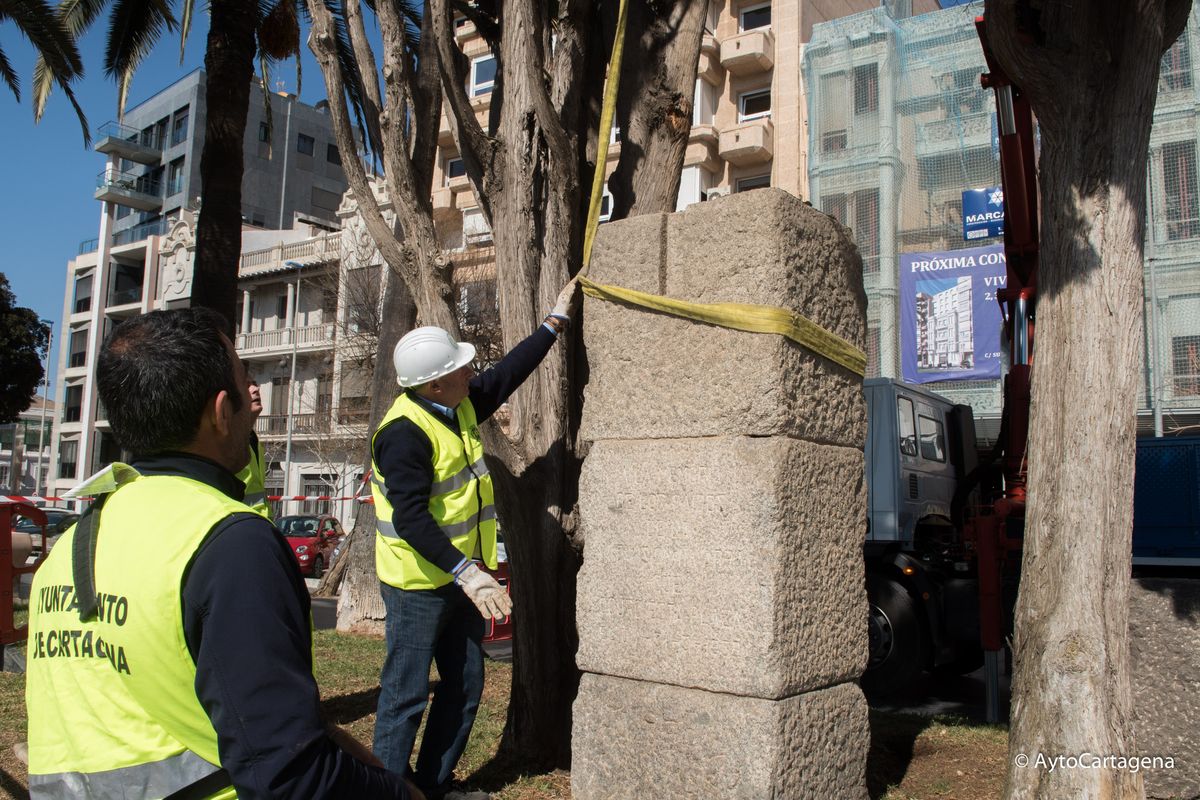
264	132
605	205
175	177
455	168
483	75
179	126
79	340
476	230
123	211
835	205
83	293
754	17
73	403
1179	183
1176	69
1185	365
323	200
756	182
332	155
305	144
281	310
834	119
866	89
754	105
866	228
68	458
315	486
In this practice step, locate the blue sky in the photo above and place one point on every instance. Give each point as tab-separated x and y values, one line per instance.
46	205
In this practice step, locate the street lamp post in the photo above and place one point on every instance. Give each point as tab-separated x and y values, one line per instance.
287	458
37	473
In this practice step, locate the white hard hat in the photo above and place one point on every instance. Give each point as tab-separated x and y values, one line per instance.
427	353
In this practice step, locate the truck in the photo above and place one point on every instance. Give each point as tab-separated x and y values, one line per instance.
924	477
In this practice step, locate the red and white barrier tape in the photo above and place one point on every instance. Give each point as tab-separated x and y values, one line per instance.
16	498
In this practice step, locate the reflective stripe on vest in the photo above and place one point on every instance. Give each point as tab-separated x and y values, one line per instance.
461	498
388	530
157	779
112	700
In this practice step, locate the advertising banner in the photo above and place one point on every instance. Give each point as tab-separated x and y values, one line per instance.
983	213
949	318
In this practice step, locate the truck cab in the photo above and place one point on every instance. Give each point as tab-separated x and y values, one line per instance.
921	577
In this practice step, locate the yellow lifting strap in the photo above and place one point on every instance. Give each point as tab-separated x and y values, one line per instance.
604	135
743	317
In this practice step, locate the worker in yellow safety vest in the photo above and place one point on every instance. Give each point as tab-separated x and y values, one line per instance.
170	649
254	474
436	523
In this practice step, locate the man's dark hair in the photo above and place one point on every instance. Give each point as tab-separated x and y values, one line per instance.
157	372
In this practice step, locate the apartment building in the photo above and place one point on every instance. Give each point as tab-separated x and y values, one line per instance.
148	186
749	115
900	127
25	449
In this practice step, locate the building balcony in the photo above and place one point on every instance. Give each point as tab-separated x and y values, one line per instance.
142	192
270	426
128	143
945	136
88	246
749	53
140	233
749	143
702	153
322	249
709	68
279	342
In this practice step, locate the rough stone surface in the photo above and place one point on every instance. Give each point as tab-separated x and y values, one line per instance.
721	605
1164	638
654	376
634	739
732	564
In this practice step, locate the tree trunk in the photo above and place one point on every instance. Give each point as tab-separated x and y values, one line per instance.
655	112
229	62
1091	74
360	606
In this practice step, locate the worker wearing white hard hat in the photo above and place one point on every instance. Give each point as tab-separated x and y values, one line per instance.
435	530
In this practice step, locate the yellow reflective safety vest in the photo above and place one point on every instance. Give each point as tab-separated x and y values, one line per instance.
461	499
111	702
254	475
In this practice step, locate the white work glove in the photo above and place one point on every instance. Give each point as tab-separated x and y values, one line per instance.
483	590
563	304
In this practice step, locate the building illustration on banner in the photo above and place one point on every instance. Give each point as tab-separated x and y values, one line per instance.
945	335
950	320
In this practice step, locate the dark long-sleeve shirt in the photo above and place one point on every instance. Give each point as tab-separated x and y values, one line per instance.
246	623
404	454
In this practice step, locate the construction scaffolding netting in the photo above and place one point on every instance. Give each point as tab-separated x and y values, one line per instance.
902	135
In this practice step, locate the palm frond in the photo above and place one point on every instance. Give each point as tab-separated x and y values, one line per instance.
348	66
9	76
185	27
134	27
83	123
77	17
44	29
266	97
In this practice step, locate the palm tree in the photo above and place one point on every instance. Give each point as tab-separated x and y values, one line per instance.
58	58
239	31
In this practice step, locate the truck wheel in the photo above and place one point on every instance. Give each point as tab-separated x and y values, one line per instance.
897	642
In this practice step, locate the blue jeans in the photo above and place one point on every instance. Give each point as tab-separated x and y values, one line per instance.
429	626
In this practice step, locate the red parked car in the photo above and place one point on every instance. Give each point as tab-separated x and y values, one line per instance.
312	537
